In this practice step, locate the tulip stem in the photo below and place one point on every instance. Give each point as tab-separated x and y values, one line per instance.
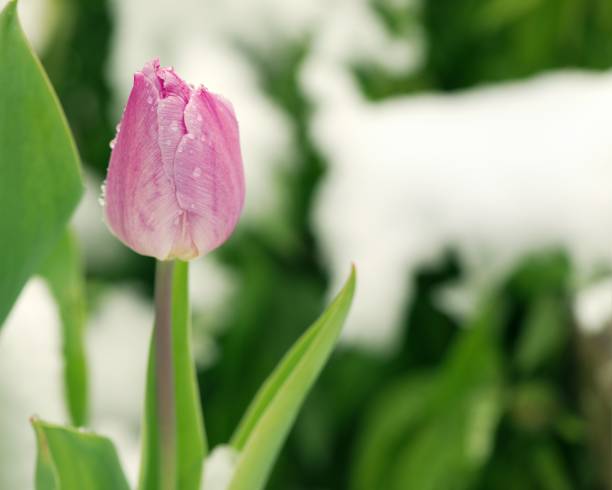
164	375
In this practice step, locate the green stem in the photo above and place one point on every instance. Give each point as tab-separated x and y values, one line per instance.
164	374
173	440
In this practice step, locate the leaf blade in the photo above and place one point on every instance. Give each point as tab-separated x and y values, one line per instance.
63	273
40	182
69	459
269	389
275	407
191	436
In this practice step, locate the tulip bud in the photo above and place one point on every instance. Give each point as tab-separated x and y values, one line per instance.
175	184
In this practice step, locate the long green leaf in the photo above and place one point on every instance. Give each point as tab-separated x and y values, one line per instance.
191	440
267	422
271	387
63	272
40	184
69	459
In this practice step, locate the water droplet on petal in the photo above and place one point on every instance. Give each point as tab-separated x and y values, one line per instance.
102	198
190	136
112	143
192	206
149	100
199	118
197	172
118	127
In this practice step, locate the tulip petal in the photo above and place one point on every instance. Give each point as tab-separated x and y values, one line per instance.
208	170
140	199
171	130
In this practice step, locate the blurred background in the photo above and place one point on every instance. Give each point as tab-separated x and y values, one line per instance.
458	151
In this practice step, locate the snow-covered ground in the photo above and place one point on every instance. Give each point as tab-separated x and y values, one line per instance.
495	172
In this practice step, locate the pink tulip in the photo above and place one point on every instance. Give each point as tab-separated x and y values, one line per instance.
175	184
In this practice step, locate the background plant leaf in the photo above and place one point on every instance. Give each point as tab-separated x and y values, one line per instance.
191	439
63	272
40	184
435	431
267	422
69	459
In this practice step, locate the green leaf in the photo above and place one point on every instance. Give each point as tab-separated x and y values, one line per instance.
268	420
550	467
400	408
190	435
70	459
435	430
40	184
544	335
63	272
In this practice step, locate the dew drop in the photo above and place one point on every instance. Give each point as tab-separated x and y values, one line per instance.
102	198
118	127
199	118
190	136
192	206
149	100
112	143
197	172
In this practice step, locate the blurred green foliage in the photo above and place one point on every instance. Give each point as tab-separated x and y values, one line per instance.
471	42
76	61
492	404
